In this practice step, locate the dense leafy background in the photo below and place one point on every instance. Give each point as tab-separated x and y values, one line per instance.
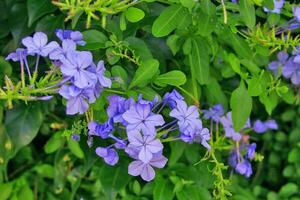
153	47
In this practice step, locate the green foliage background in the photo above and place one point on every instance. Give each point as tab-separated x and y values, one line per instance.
210	55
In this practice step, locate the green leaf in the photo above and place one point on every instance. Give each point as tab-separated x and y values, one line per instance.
94	40
199	61
6	190
22	124
241	105
254	86
5	68
139	47
38	8
193	192
75	148
177	149
163	189
247	11
174	78
44	170
145	73
206	24
173	43
215	94
113	179
270	101
54	143
294	155
188	3
26	193
119	72
50	23
288	190
134	14
170	19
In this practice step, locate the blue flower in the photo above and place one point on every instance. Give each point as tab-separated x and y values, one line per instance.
171	98
278	4
76	137
244	168
19	55
102	130
261	127
109	155
275	65
75	36
99	73
140	118
146	146
186	116
117	106
75	66
227	123
77	99
251	151
197	134
60	53
38	44
214	113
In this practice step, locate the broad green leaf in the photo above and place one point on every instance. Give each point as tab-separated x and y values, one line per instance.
187	46
173	43
44	170
241	106
94	40
254	86
294	155
75	148
123	24
163	189
134	14
206	24
193	192
188	3
5	68
120	73
6	190
247	11
4	29
26	193
140	48
251	66
113	179
177	149
174	78
169	20
199	61
49	23
22	124
215	94
288	190
147	92
270	101
38	8
208	7
145	73
54	143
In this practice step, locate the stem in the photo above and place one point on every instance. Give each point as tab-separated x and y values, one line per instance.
224	11
27	68
189	94
22	73
115	91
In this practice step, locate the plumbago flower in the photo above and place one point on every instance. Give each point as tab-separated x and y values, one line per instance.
278	4
227	123
261	127
214	113
75	36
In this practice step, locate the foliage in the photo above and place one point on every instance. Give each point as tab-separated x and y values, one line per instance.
212	52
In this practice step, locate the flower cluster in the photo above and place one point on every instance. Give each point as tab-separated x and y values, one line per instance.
289	65
82	81
138	128
242	152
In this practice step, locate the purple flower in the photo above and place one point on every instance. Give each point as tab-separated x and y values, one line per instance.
146	146
234	158
275	65
75	66
261	127
145	170
227	123
143	101
77	99
291	70
278	4
187	116
76	137
171	98
60	53
75	36
197	134
99	73
214	113
102	130
109	155
296	12
244	168
251	151
38	44
140	118
19	55
117	107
